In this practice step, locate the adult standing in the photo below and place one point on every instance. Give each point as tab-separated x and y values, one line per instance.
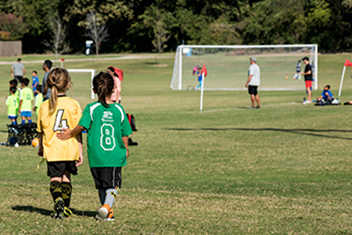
308	78
45	90
18	70
253	82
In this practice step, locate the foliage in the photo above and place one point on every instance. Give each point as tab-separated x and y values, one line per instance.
325	22
13	25
58	43
96	30
4	35
160	22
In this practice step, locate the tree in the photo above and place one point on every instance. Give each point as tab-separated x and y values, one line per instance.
13	25
160	22
58	32
96	30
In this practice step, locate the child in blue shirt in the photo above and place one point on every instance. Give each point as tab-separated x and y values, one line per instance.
35	82
199	75
325	95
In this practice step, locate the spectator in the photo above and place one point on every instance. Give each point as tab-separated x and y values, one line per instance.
35	82
253	82
45	90
18	70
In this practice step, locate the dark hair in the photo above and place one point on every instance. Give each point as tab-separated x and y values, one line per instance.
39	88
112	70
48	64
19	59
103	86
299	61
34	71
25	81
13	82
13	90
328	86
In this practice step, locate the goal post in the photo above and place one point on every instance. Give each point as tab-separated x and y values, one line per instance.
228	66
92	73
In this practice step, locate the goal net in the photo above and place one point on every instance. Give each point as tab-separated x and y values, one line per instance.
228	66
82	82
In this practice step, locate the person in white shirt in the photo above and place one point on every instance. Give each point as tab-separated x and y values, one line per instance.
253	82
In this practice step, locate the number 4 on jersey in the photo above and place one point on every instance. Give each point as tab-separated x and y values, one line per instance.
59	122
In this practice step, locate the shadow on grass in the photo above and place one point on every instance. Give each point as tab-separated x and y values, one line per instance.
311	132
42	211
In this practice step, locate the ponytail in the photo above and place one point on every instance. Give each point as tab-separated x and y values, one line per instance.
53	100
58	81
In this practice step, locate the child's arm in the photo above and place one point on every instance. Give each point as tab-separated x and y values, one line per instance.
67	133
40	150
19	108
125	142
80	144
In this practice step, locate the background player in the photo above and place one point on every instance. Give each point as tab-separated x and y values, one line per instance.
12	105
26	97
55	114
308	79
105	121
38	99
298	71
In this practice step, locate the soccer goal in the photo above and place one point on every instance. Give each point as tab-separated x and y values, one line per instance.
228	66
82	86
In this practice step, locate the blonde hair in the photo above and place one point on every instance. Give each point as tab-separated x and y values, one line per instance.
58	81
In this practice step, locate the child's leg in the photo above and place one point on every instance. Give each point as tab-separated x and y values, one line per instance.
23	119
102	195
55	187
111	194
66	188
29	119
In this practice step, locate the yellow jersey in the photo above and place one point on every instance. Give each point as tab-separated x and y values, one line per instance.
67	115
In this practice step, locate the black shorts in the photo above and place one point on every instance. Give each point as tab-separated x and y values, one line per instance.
19	79
57	169
252	90
106	177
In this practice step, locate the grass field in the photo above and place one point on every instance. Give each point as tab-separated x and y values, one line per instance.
282	169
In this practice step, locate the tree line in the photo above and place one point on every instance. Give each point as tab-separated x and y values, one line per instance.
161	25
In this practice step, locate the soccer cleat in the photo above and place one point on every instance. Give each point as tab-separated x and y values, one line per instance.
111	216
102	212
59	208
67	212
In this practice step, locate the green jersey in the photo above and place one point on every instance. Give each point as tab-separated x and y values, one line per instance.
106	126
26	96
12	105
38	102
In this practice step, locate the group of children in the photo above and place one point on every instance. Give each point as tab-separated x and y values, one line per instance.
19	101
60	123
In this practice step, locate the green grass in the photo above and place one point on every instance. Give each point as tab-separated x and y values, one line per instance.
283	169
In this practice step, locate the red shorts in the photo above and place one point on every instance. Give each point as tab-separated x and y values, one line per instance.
308	84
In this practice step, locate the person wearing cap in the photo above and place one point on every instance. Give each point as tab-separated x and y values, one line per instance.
308	78
118	77
253	82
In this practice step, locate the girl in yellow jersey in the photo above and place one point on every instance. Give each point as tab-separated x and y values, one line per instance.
62	158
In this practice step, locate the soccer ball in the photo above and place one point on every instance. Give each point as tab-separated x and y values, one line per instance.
35	142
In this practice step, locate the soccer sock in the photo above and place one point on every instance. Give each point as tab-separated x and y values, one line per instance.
23	122
14	123
66	189
102	195
111	194
30	121
55	190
